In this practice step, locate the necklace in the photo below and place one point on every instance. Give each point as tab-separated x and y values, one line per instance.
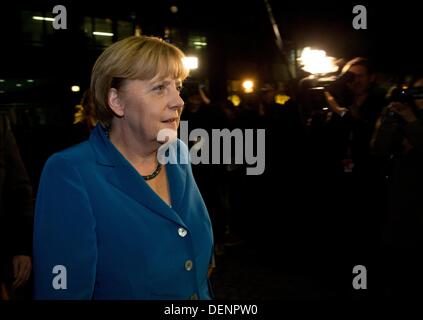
155	173
147	177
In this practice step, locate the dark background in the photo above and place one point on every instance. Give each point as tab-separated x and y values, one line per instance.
240	43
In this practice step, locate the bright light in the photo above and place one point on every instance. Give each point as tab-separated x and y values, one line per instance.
281	98
316	61
30	81
42	18
19	85
104	34
248	86
2	80
75	88
235	99
190	63
174	9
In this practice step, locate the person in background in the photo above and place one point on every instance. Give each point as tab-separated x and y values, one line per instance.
357	188
398	141
16	214
84	118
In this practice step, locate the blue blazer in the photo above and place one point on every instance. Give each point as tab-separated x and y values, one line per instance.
102	233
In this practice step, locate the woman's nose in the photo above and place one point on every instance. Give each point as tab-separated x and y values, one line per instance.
177	101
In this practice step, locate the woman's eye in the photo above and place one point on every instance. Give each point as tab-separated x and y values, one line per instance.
179	88
159	88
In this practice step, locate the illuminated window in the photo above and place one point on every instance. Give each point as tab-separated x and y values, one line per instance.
33	30
88	27
124	29
196	41
103	32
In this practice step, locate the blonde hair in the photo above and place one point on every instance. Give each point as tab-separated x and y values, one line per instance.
85	110
132	58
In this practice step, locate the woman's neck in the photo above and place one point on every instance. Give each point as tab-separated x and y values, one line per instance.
139	152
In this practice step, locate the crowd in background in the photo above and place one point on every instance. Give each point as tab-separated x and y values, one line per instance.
341	185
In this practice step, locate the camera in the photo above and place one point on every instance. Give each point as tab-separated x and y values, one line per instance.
405	96
314	86
408	95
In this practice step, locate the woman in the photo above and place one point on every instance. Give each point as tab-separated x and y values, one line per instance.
111	222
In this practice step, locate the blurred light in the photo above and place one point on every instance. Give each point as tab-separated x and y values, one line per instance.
30	80
325	108
19	85
281	98
2	91
327	79
191	63
104	34
199	43
138	31
235	99
75	88
2	80
316	61
173	9
42	18
248	86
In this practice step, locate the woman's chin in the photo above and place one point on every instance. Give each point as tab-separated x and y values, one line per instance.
167	135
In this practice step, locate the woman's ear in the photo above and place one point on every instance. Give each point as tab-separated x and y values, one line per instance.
115	102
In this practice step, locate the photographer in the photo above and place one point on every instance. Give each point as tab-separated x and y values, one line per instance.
356	103
398	139
400	122
357	186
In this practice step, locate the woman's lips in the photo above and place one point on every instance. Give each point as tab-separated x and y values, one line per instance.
173	122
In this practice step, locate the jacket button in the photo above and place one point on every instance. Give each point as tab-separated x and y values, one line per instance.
194	296
188	265
182	232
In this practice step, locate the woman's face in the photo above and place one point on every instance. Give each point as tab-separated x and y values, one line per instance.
151	105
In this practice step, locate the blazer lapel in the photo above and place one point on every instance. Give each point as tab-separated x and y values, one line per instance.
177	176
